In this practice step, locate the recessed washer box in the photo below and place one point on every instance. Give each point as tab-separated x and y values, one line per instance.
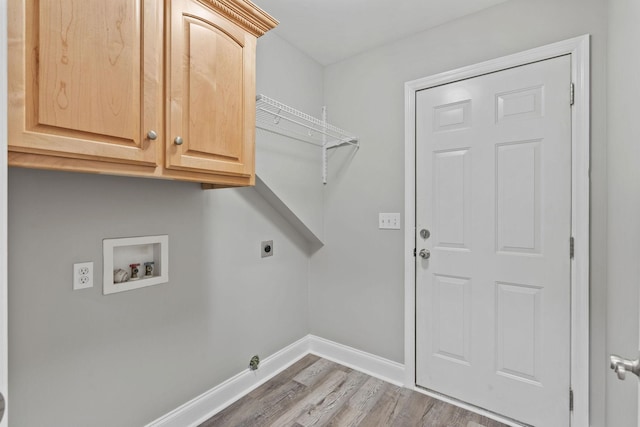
121	253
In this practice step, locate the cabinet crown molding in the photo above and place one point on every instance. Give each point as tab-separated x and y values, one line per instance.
244	13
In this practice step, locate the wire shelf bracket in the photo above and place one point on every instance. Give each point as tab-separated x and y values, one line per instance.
276	117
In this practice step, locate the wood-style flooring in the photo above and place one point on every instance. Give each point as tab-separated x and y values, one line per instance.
317	392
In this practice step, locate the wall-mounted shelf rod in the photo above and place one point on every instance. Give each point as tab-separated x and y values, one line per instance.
274	116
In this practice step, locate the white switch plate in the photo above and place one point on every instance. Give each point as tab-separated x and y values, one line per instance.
82	275
389	221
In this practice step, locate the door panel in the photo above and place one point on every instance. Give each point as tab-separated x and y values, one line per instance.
494	188
518	331
518	197
451	202
452	320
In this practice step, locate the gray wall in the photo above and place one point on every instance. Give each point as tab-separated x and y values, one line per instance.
290	168
624	204
78	358
356	287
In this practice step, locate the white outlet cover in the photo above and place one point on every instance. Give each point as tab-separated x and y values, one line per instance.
82	275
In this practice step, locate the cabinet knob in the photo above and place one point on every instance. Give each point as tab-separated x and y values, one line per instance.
178	140
152	135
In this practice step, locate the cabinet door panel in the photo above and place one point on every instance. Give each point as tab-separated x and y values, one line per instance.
214	79
82	80
89	77
211	80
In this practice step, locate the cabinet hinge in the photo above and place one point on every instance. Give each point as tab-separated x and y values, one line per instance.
572	94
572	247
571	399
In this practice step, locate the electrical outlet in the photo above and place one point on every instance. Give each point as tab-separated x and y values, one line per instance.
82	275
266	248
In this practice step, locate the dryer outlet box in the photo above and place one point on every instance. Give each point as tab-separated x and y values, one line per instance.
266	248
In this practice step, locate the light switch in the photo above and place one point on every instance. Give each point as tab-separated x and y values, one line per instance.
389	221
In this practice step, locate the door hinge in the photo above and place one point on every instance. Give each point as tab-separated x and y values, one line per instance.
572	94
572	247
570	399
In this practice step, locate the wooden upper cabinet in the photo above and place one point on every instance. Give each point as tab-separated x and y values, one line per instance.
212	91
109	86
78	74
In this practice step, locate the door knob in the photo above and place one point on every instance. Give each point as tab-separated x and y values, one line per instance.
152	135
424	253
178	140
622	366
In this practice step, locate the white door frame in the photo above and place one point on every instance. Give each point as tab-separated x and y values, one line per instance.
578	48
4	348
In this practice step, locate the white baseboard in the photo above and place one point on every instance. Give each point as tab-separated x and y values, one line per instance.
368	363
213	401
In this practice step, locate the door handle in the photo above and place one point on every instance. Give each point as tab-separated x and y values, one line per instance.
622	366
424	253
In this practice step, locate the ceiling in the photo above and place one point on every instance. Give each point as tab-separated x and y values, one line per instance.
332	30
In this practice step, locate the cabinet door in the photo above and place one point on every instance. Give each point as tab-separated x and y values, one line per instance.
78	85
211	92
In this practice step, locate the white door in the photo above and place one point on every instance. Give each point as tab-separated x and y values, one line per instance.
493	188
3	213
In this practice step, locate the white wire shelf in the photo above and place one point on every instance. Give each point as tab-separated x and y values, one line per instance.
276	117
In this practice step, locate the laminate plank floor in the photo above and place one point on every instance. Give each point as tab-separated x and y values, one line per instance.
316	392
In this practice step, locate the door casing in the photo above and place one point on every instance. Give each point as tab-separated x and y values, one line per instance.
578	48
3	212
